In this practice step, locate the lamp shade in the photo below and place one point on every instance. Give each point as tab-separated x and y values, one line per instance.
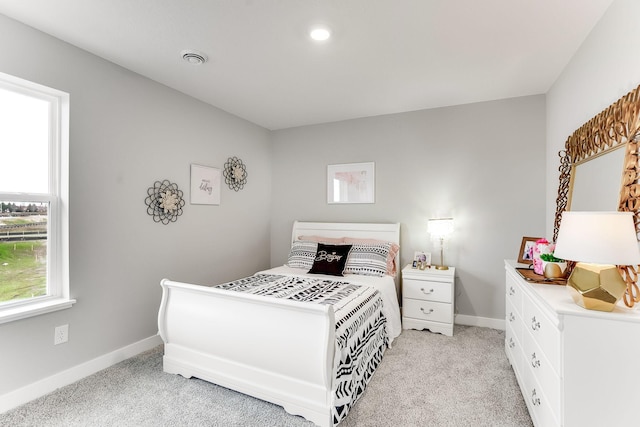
598	237
440	227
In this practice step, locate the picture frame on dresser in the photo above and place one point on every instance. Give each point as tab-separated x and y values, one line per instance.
525	256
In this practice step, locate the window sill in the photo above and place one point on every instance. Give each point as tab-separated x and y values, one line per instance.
34	309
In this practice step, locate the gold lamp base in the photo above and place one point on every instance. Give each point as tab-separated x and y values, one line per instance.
596	286
442	267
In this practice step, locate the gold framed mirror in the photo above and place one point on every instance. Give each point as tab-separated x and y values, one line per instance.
608	142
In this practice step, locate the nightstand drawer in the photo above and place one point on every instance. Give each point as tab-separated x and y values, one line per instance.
426	290
428	310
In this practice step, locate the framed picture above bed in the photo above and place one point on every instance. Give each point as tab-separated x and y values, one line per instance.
351	183
205	185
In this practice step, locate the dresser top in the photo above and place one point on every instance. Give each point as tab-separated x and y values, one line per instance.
558	299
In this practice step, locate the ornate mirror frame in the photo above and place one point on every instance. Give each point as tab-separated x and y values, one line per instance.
617	125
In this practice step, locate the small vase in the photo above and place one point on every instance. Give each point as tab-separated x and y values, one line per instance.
540	248
554	270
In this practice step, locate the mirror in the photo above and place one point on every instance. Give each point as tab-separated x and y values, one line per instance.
608	142
595	183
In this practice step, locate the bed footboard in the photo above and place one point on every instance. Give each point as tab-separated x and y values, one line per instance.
277	350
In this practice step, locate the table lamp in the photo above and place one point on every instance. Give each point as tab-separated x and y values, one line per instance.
598	242
440	228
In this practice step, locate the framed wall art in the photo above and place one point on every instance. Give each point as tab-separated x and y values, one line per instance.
205	185
351	183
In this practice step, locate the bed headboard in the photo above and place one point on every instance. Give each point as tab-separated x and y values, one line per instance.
389	232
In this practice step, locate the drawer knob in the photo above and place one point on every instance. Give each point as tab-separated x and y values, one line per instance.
535	362
511	317
426	312
535	325
534	398
426	292
512	291
512	344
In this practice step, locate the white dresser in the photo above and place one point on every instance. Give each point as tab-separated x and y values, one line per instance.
575	367
428	299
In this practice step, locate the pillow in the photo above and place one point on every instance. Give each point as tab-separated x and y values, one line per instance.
392	268
330	259
302	254
368	259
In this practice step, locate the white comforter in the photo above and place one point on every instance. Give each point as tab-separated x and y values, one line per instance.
385	285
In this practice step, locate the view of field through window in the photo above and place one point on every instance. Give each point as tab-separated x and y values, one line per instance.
23	250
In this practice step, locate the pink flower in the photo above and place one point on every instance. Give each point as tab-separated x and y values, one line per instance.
543	240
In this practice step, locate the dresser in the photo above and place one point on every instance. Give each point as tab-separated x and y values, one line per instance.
428	299
575	367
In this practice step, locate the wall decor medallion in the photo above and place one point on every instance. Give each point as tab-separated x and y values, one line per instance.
235	173
164	201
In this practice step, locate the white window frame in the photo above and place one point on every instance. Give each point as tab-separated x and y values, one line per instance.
57	297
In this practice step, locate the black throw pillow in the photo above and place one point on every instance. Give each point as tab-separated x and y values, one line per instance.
330	259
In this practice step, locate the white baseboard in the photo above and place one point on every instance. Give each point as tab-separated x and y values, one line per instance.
32	391
483	322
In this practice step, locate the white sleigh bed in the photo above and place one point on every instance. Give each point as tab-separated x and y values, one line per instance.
278	350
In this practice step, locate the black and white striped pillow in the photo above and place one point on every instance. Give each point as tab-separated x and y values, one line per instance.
368	259
302	254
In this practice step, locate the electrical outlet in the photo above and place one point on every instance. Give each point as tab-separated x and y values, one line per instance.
61	334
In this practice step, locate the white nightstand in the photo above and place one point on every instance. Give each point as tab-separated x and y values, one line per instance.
428	299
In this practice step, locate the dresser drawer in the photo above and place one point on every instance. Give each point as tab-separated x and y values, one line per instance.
543	331
514	293
427	290
513	319
538	402
514	350
545	375
428	310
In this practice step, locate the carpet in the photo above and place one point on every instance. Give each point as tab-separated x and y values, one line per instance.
425	379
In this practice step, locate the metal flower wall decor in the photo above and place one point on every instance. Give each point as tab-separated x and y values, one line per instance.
235	173
164	202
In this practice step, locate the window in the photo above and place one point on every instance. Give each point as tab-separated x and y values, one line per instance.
34	153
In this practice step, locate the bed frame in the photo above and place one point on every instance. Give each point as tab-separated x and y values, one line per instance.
277	350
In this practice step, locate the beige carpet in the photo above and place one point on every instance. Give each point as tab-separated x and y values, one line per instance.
426	379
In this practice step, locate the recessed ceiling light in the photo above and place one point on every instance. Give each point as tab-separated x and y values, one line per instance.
320	34
193	57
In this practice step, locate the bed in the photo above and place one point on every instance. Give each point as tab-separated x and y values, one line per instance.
282	350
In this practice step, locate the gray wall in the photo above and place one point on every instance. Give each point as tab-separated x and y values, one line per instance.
483	164
127	132
604	69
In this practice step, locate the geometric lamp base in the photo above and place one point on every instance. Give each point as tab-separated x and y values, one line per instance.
596	286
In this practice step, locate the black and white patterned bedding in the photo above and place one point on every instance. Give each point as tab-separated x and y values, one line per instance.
361	330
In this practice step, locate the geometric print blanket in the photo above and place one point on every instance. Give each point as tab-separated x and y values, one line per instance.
361	328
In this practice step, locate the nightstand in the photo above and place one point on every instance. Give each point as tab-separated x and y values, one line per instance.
428	299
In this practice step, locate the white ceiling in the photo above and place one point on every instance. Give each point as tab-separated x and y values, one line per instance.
385	56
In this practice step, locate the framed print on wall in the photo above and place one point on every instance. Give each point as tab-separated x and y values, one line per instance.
205	185
351	183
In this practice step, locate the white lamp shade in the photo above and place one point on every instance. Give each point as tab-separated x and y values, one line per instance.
440	227
598	237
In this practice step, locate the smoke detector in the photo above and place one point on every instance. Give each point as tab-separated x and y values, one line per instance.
194	57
